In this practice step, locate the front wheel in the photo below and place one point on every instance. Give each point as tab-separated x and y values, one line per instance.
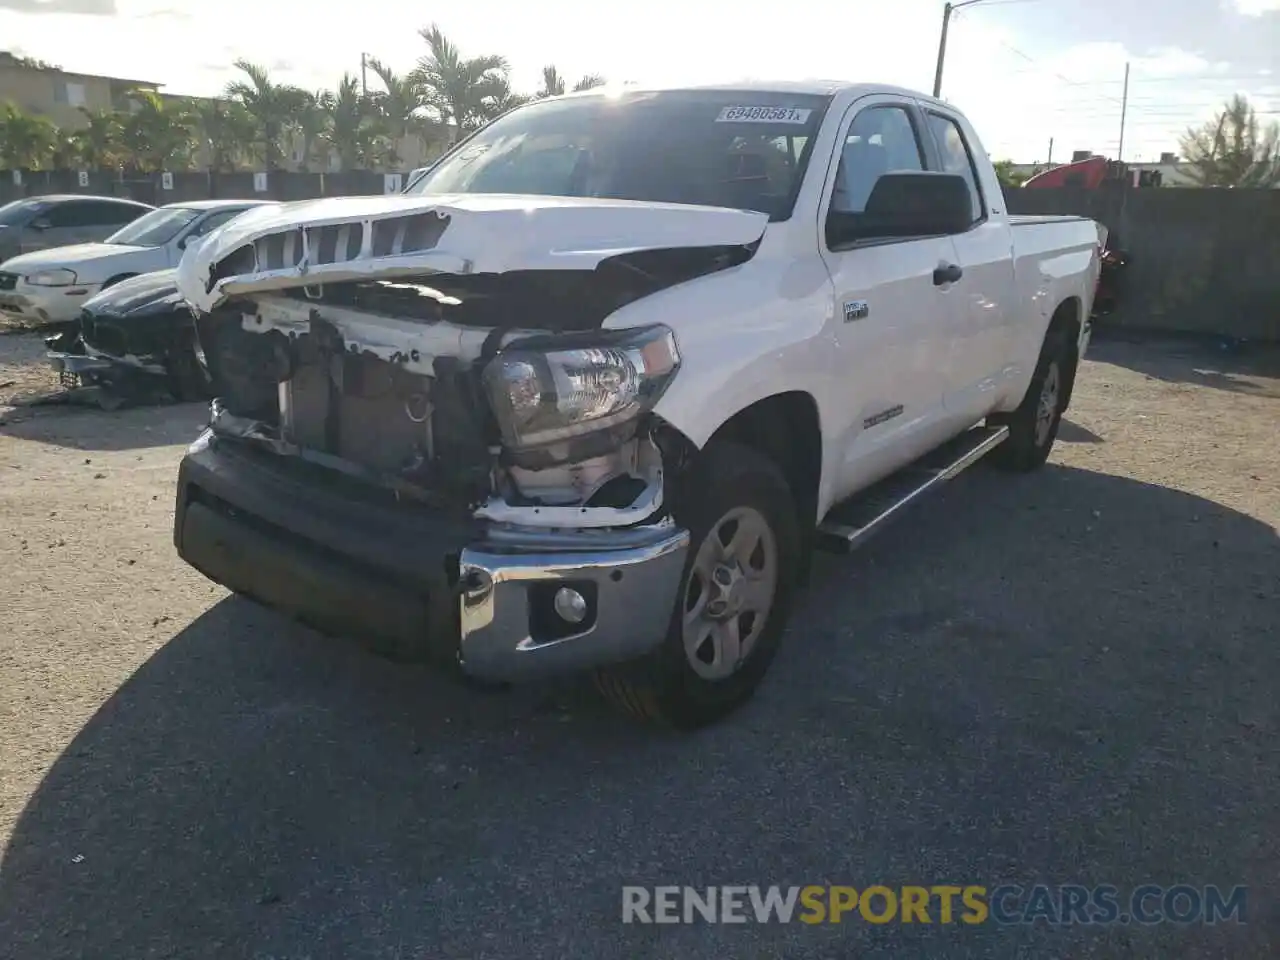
733	600
1033	427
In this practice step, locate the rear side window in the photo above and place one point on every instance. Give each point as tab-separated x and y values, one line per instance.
101	214
956	157
70	214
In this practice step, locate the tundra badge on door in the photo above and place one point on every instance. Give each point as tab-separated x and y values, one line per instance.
856	310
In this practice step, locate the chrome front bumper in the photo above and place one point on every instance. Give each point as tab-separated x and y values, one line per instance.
510	630
480	596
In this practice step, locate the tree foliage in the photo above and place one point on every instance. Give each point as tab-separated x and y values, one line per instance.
1007	176
260	122
1233	149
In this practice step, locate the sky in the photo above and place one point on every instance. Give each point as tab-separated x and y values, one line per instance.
1024	71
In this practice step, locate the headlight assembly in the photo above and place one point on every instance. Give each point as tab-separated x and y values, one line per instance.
581	393
52	278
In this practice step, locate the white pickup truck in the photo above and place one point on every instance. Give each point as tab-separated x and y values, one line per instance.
587	396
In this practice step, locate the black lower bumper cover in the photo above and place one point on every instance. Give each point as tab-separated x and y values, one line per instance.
323	549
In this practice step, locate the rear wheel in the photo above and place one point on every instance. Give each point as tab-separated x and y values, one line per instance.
1033	427
733	600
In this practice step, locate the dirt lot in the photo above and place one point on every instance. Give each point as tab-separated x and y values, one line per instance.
1063	678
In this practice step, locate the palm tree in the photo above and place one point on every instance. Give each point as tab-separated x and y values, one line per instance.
26	142
98	144
455	86
271	105
159	136
350	131
222	128
498	98
553	84
310	123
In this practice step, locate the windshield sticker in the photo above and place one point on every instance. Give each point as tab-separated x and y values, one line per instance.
763	115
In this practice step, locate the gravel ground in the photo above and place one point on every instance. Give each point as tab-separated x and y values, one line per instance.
1064	678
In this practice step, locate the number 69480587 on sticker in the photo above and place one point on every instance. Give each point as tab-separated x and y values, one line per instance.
746	114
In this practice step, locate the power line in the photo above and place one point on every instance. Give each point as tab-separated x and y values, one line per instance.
1265	79
1032	60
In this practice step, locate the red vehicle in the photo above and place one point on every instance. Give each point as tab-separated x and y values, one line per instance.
1089	174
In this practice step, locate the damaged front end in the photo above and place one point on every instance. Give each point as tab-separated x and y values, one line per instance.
492	403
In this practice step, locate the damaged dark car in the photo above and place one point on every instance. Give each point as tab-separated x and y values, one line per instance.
136	339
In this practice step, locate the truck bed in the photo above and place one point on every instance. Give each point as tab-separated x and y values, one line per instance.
1030	219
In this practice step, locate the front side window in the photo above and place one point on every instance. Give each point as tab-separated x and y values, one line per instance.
880	140
743	150
215	220
156	228
956	156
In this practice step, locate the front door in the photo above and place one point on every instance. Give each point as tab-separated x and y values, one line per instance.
893	322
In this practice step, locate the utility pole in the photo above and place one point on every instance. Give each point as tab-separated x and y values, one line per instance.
1124	109
364	74
947	10
1048	164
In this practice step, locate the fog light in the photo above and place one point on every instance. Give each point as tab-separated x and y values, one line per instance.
570	605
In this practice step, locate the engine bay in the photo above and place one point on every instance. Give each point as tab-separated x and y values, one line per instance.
383	380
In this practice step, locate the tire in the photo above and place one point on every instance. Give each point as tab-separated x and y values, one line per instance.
733	490
114	280
1033	427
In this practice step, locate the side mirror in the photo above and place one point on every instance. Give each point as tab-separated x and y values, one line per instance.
40	224
915	204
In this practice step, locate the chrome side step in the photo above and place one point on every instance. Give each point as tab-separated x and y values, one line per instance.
853	522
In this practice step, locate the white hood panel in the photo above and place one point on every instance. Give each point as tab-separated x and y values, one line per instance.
92	262
354	238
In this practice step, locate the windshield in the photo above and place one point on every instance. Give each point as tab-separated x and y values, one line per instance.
716	148
19	212
156	228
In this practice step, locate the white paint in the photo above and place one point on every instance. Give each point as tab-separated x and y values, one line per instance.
487	233
392	183
166	181
82	178
260	183
947	355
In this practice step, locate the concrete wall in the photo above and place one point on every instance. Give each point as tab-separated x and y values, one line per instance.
1203	261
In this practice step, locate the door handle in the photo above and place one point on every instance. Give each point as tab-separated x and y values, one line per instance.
946	273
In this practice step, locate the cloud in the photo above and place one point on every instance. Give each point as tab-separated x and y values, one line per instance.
93	8
1256	8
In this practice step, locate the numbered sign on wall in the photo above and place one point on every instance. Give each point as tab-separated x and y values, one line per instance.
166	181
82	178
17	178
392	182
260	183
